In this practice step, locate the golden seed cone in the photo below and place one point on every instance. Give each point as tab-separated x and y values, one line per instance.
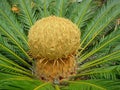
53	38
53	44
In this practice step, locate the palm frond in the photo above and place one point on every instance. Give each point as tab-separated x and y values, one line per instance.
26	83
61	7
14	33
11	38
6	68
10	51
112	39
94	85
9	19
27	12
113	56
12	63
108	72
80	13
99	22
43	7
101	28
57	87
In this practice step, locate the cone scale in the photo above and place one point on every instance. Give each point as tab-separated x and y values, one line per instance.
54	42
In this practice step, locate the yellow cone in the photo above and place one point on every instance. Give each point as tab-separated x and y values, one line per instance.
53	37
53	43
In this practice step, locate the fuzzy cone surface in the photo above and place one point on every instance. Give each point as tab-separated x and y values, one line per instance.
53	43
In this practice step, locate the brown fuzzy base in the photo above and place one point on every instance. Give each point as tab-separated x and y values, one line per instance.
48	70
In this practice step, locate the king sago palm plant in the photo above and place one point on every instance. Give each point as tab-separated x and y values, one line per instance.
59	45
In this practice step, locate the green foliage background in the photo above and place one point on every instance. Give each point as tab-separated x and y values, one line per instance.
98	59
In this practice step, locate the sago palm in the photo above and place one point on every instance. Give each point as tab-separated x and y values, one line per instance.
59	45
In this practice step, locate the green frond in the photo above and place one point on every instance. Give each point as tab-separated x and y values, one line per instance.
110	57
100	21
82	11
42	86
8	18
57	87
15	83
6	76
61	7
94	85
14	33
44	7
26	15
13	54
104	43
108	72
11	38
6	68
12	63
